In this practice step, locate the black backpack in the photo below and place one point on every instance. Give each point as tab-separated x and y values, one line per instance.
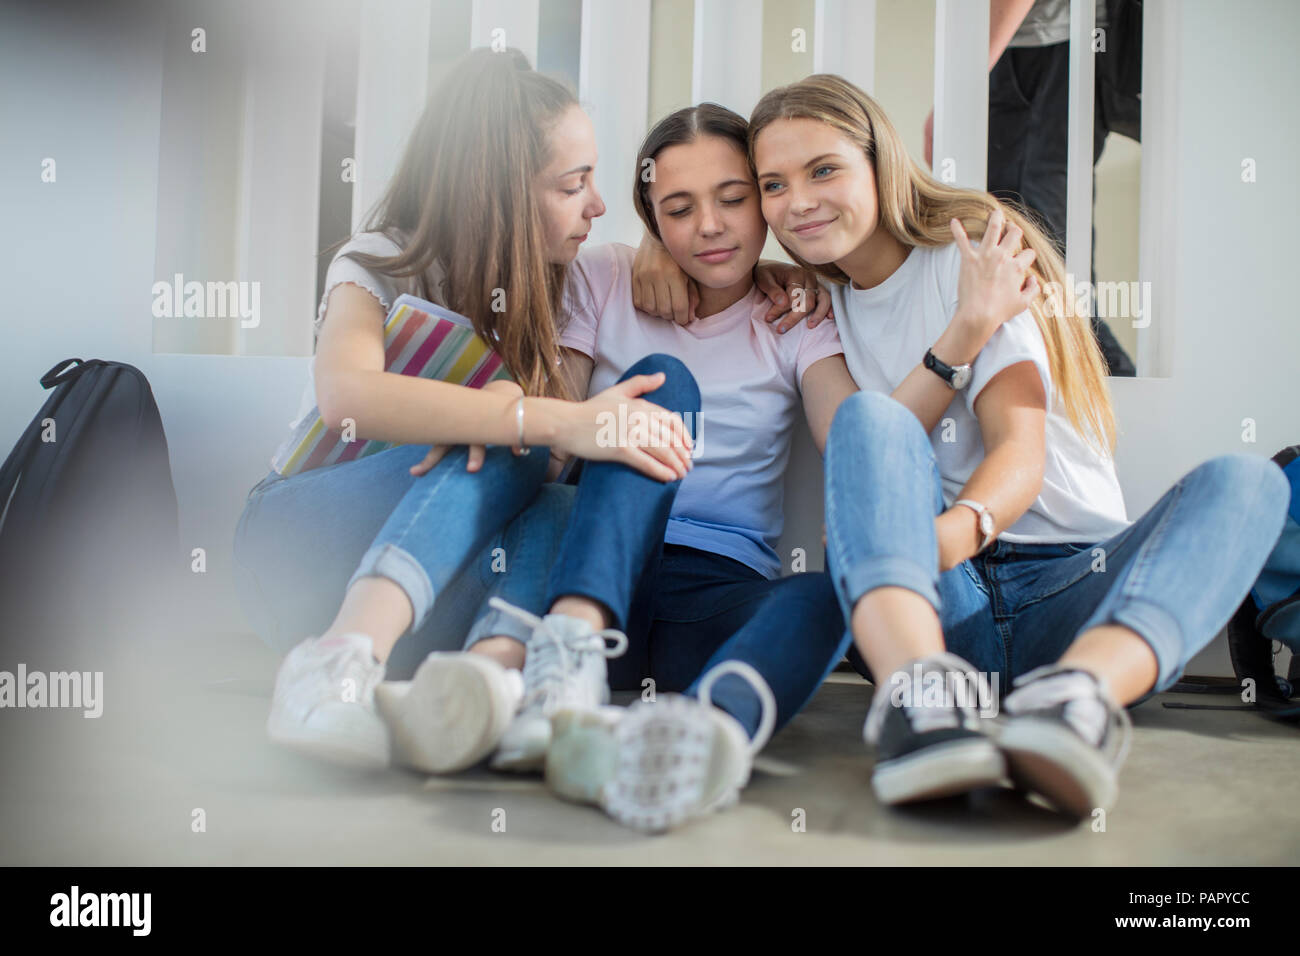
1271	612
88	517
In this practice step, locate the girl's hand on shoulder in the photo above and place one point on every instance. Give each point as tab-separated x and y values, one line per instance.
994	285
476	452
795	294
660	287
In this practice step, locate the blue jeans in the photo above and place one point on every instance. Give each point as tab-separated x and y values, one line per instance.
449	538
1175	576
685	610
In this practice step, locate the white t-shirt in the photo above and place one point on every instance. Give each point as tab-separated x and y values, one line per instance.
344	269
886	330
731	502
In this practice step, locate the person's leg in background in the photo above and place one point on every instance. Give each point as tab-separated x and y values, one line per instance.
1028	154
600	580
295	536
883	558
1107	627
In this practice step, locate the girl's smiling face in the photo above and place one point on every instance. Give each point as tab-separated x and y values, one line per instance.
818	189
569	200
706	207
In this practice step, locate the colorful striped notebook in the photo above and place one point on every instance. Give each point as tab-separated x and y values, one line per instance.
420	338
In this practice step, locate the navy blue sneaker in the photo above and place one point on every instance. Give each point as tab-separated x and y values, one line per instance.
1065	738
930	741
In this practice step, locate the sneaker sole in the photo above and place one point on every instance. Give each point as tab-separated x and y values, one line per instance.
355	751
450	718
663	755
520	760
1046	758
941	770
583	755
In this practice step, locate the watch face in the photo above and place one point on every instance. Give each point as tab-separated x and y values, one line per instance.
961	376
986	523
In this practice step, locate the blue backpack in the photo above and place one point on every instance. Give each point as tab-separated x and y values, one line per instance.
1271	612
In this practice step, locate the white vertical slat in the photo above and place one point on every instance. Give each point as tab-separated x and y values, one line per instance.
844	40
1159	224
517	18
614	87
279	197
1078	189
961	93
727	65
392	75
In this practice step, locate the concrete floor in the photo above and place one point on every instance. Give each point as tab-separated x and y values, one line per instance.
186	733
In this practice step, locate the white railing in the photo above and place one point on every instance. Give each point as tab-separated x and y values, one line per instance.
725	66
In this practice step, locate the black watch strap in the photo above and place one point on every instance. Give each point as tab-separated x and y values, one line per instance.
942	369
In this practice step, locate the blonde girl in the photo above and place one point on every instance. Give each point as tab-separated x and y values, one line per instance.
997	547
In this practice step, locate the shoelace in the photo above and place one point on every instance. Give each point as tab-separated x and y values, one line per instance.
344	661
1089	707
548	671
766	699
924	718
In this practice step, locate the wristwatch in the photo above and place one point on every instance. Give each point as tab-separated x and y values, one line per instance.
986	523
957	376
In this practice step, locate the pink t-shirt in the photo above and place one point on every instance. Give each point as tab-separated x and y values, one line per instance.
749	376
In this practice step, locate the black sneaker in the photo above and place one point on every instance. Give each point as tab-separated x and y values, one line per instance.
926	750
1065	738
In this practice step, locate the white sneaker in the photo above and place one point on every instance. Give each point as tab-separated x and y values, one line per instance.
564	670
323	703
452	713
662	763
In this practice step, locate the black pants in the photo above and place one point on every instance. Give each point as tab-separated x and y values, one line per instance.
1029	98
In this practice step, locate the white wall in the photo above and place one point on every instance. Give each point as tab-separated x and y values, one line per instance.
77	260
82	83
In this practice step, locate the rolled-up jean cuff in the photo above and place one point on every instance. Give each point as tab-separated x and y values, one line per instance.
1159	629
498	624
887	572
390	561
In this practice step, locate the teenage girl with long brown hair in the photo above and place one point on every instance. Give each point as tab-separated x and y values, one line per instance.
492	200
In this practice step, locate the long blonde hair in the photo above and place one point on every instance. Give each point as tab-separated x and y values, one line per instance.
463	199
915	209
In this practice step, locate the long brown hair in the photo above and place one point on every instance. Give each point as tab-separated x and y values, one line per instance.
463	199
915	209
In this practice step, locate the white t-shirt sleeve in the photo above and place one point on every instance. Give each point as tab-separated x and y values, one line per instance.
587	286
1018	340
815	345
344	269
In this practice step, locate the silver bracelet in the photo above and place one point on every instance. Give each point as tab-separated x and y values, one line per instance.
519	420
